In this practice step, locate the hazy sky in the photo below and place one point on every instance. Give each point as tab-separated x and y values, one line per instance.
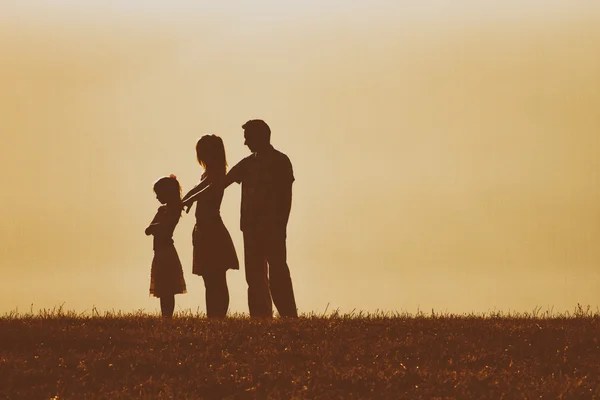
447	153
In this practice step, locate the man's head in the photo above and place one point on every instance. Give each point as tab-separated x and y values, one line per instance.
257	135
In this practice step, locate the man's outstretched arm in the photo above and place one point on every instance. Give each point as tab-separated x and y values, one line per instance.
235	174
229	179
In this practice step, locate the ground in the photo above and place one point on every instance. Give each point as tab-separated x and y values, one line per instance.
130	356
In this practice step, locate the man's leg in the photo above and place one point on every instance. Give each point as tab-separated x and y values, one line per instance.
280	280
259	297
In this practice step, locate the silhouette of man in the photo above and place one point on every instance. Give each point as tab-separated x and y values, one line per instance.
266	177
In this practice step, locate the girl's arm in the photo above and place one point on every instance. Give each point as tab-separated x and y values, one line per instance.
155	222
150	229
165	220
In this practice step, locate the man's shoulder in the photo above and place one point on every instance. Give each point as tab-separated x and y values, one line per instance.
248	158
245	161
281	157
282	166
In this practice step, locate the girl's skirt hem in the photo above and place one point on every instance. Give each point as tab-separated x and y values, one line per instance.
166	275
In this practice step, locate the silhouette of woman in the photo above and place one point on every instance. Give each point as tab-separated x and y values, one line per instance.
214	252
166	275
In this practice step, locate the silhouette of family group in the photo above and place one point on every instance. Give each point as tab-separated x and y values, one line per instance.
266	177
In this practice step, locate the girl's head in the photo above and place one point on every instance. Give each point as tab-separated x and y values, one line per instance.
211	154
168	189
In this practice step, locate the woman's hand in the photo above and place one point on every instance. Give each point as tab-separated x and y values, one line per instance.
187	205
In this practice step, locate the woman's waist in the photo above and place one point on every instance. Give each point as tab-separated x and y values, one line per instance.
209	226
164	243
207	215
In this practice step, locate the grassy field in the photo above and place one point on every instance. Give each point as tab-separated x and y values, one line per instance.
54	354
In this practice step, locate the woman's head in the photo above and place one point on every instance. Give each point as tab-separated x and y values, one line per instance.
168	189
211	154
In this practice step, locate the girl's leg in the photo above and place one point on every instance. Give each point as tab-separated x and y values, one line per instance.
167	305
217	294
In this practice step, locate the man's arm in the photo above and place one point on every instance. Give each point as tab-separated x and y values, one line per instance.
229	179
285	205
282	193
236	173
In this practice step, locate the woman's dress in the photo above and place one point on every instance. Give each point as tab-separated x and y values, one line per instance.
213	247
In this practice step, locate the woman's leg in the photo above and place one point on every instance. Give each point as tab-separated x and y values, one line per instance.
223	294
217	294
167	305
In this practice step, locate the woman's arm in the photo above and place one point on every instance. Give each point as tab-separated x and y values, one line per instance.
189	200
198	188
194	194
208	185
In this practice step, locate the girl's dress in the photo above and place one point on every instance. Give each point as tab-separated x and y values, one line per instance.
166	275
213	247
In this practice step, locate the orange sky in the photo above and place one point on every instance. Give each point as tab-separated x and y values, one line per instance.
446	157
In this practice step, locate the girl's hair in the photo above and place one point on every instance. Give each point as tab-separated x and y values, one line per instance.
168	185
210	153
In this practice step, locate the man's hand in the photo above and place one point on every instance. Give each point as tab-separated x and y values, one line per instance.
148	231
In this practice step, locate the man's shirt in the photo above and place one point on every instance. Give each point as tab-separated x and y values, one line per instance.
266	179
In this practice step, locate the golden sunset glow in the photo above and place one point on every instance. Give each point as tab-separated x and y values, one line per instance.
445	157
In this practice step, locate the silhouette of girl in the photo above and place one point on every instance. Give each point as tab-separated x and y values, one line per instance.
166	276
214	252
